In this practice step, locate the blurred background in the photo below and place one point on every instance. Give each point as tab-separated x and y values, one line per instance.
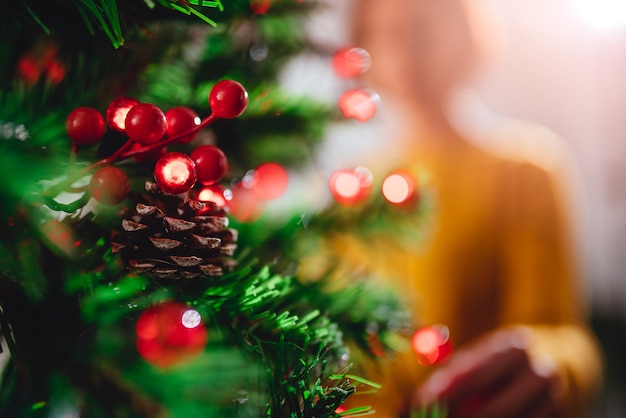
561	64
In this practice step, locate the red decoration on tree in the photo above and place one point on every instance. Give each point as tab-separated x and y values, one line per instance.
116	112
260	7
175	173
211	163
213	193
109	185
228	99
179	120
399	188
145	123
350	187
244	204
169	334
359	104
432	345
351	61
269	181
85	126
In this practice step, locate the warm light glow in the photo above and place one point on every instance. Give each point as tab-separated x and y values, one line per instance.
398	188
349	187
213	194
432	344
269	181
119	117
351	61
602	14
347	184
191	319
177	172
359	104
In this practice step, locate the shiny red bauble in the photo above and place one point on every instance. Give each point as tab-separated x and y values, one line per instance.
211	163
228	99
109	185
116	112
169	334
180	120
145	123
175	173
85	126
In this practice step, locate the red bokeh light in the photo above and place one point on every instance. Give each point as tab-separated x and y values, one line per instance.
260	7
244	204
213	193
170	333
350	187
351	61
359	104
432	345
269	181
398	188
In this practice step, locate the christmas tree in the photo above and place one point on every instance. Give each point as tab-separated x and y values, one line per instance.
139	144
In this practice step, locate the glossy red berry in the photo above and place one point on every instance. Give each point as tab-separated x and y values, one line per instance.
211	163
145	123
109	185
117	111
85	126
175	173
228	99
179	120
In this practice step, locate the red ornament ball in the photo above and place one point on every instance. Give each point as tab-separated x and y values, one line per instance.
228	99
145	123
116	112
211	163
109	185
269	181
179	120
85	126
351	61
359	104
175	173
169	334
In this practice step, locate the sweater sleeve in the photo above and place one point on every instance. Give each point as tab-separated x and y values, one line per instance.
540	283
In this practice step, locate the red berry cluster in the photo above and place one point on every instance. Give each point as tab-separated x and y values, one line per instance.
150	130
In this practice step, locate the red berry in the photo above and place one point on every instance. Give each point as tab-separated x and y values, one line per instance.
211	163
117	111
228	99
109	185
170	333
175	173
145	123
85	126
181	119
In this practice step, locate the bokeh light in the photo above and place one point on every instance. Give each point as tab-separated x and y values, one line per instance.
359	104
398	188
269	181
351	61
350	187
432	344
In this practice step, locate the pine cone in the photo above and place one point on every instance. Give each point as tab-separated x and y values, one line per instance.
173	237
